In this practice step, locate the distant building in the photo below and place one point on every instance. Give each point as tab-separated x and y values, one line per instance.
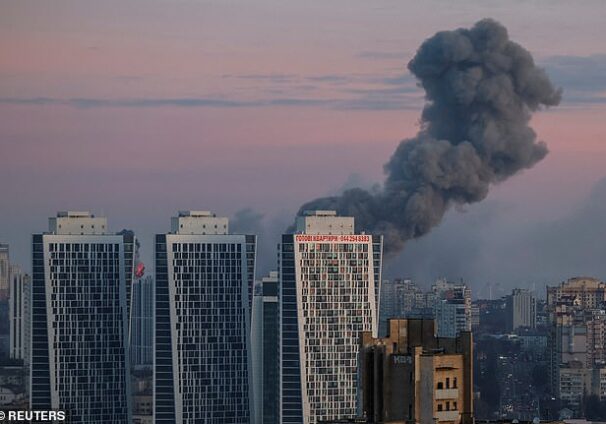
4	271
402	298
143	399
13	384
542	314
414	376
452	308
8	395
142	322
577	340
20	315
329	283
79	352
266	349
475	317
203	296
588	292
534	342
521	309
492	316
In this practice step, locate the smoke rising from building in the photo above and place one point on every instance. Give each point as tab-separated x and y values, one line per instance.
481	89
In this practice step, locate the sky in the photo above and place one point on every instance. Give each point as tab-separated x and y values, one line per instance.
137	109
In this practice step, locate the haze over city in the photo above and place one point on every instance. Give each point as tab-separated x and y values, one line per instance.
137	110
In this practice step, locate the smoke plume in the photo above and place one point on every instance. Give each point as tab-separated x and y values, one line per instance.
480	89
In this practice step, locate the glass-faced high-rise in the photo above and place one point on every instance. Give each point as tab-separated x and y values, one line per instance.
79	352
266	349
328	295
141	322
202	361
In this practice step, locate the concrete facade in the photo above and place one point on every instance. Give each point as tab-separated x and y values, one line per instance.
412	375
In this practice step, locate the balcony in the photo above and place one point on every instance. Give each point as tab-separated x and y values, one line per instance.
447	415
447	394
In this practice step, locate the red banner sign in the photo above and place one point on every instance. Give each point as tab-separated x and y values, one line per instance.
340	238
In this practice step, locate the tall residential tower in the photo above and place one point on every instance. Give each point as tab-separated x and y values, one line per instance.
202	362
79	357
329	281
266	349
20	314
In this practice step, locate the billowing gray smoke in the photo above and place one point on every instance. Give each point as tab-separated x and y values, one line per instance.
481	89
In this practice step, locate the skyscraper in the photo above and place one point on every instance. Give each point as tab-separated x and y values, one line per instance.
19	314
80	360
329	280
4	270
142	319
202	361
266	323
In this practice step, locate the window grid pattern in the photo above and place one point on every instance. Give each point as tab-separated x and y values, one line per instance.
211	336
336	306
87	332
142	317
271	352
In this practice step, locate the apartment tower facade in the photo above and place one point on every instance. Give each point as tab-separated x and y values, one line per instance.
202	337
329	285
79	352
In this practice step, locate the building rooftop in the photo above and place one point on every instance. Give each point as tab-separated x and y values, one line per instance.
198	214
199	223
324	222
74	214
77	223
320	213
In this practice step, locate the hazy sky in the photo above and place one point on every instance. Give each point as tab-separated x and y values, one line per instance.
136	109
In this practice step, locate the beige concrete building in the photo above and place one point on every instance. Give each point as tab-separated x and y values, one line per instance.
588	292
577	339
412	375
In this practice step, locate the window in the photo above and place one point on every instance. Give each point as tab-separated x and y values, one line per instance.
448	405
439	407
440	385
454	383
447	383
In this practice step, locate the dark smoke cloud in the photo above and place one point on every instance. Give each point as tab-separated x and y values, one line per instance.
481	89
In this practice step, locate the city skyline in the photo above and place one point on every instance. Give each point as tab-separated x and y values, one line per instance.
534	358
173	85
303	212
